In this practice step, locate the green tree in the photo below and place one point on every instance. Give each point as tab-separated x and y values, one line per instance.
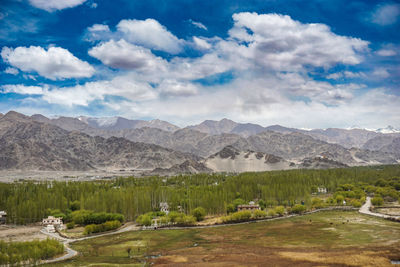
377	201
199	213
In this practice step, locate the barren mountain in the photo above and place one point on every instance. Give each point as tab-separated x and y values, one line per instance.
386	143
187	167
119	123
291	144
347	138
297	146
231	159
380	141
214	127
30	145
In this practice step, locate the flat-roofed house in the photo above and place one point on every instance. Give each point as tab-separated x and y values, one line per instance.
250	207
51	220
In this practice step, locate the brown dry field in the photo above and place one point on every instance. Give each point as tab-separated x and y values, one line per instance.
21	233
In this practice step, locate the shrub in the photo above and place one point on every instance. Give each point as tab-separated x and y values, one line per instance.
271	212
356	203
86	217
339	199
259	214
71	225
298	209
186	220
97	228
199	213
240	216
280	210
317	203
144	219
173	215
377	201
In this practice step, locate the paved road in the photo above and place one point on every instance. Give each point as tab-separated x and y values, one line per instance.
366	209
66	241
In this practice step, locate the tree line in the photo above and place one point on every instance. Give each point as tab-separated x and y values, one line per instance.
30	252
27	202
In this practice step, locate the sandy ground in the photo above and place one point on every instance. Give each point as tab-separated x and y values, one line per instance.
21	233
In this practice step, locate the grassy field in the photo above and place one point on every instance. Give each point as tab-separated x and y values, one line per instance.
334	238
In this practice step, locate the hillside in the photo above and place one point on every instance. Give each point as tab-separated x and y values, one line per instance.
26	144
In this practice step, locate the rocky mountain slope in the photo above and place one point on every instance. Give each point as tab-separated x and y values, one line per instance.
288	143
297	146
119	123
231	159
26	144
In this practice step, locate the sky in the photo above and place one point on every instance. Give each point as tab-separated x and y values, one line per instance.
304	64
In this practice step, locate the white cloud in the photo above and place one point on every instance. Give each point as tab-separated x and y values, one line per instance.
268	56
381	73
198	24
346	74
12	71
124	55
176	88
201	43
22	89
99	28
56	63
151	34
386	53
278	42
122	86
53	5
386	14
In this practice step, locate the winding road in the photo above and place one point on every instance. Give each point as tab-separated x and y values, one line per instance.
66	241
366	209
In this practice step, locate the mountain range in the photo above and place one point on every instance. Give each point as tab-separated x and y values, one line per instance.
85	143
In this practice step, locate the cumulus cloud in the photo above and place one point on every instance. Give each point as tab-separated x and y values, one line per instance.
269	58
201	43
55	63
124	55
386	14
53	5
279	42
22	89
151	34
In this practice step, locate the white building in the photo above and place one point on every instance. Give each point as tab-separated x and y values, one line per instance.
3	217
322	190
53	221
164	207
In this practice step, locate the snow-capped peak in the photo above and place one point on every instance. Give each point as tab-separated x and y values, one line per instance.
388	129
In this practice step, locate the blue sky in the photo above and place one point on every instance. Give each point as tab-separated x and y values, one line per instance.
312	64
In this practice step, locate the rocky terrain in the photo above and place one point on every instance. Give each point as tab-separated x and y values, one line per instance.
26	144
84	143
231	159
